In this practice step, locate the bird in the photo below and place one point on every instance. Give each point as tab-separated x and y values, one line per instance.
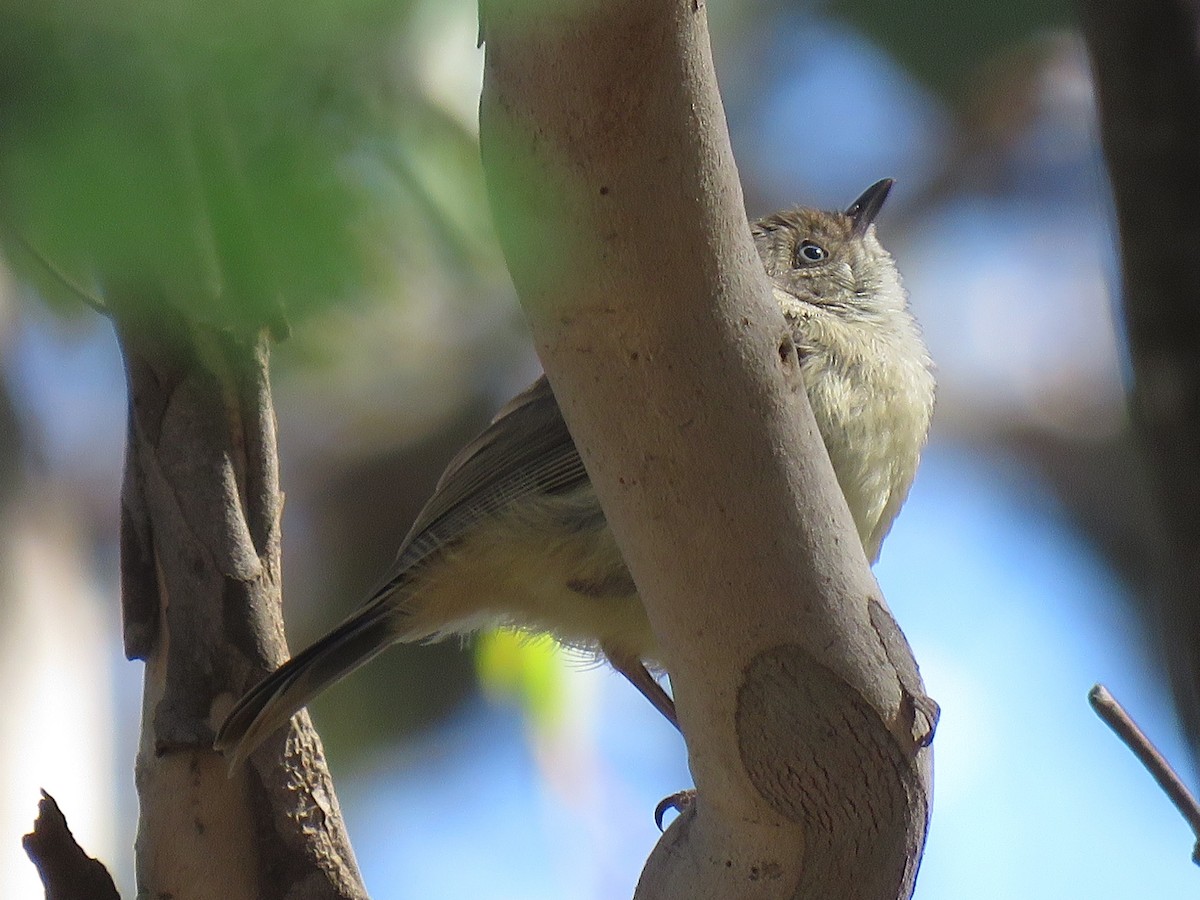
513	534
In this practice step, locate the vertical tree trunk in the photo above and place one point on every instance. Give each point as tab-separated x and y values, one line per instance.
1146	64
200	570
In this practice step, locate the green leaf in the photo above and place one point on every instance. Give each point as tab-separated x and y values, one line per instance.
234	160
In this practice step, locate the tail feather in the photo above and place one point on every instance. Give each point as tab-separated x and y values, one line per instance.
272	702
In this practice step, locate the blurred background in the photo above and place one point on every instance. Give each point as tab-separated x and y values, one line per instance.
339	142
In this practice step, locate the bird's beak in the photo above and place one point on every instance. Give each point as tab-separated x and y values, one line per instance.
862	212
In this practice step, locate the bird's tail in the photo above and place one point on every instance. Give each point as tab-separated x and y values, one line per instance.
273	701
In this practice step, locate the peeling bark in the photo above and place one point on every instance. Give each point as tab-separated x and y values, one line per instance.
200	571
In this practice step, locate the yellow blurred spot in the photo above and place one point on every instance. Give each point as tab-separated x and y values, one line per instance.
523	668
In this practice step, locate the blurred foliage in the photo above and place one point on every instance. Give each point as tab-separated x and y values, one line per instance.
942	42
525	669
242	161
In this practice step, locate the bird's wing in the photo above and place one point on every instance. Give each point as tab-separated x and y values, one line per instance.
526	450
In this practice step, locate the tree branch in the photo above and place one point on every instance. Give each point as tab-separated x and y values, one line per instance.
1132	736
67	872
201	587
617	202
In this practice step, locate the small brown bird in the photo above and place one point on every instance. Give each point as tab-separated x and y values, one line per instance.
514	535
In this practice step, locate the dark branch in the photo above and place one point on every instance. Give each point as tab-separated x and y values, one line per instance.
67	872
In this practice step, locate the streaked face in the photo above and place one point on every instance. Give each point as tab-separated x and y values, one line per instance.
818	258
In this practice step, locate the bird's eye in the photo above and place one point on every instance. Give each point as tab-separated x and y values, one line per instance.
808	253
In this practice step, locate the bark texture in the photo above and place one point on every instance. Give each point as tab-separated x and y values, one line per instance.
200	571
617	201
1146	64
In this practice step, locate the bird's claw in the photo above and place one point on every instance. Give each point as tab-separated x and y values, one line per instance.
678	801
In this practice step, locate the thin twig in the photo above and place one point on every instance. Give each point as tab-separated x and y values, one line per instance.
1114	715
